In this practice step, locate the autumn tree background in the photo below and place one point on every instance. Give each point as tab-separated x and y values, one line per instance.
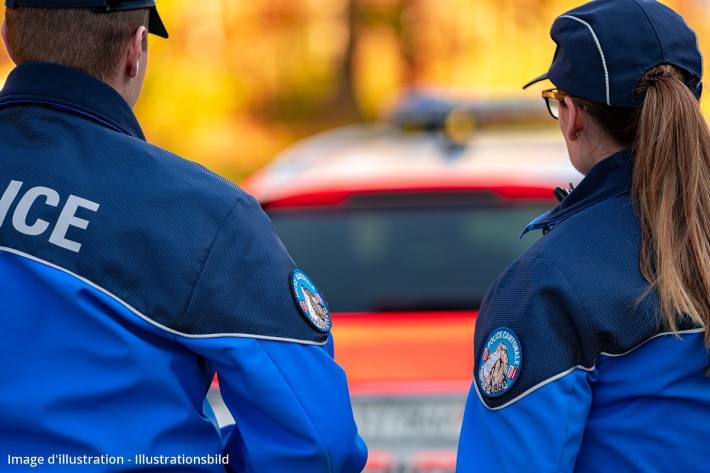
240	80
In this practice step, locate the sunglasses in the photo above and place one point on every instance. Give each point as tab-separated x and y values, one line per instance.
553	99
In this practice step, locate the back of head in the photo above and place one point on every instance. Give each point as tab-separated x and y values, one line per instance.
671	188
78	38
635	68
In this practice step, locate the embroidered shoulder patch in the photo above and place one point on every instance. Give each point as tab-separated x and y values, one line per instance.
500	363
311	302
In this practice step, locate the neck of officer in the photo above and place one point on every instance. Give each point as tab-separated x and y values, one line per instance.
127	88
593	146
601	152
127	79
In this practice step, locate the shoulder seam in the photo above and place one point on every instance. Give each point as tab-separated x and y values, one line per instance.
649	339
575	295
578	367
578	302
203	265
538	259
532	389
149	320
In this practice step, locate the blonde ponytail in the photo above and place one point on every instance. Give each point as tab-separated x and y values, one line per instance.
671	189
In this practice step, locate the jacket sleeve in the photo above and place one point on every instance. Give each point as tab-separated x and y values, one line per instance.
277	375
532	419
291	407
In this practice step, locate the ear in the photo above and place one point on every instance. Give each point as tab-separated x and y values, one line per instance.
134	52
575	120
6	40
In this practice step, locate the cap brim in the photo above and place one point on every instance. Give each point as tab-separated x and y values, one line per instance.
543	77
156	25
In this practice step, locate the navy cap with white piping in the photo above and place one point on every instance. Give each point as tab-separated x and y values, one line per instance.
604	47
155	23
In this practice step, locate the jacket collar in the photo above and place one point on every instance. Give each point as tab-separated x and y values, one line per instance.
609	178
70	90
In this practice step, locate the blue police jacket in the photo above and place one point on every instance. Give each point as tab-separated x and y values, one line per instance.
128	277
575	371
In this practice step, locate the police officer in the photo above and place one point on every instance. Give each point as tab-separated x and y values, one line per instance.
591	349
129	276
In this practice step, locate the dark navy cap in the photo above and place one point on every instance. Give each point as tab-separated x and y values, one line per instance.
155	25
604	47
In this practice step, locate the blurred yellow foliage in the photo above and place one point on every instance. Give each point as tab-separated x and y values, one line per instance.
240	80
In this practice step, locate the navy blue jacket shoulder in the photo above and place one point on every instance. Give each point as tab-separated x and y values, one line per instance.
130	276
573	361
165	230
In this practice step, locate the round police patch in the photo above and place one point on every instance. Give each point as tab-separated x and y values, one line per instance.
309	299
500	363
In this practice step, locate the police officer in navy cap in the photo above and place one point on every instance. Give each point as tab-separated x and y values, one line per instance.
591	350
130	276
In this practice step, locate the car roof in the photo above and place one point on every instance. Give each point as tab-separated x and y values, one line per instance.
386	157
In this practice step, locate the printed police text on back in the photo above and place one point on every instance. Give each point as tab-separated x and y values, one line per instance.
27	198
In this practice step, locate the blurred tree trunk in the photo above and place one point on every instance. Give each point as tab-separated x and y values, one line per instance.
345	99
408	12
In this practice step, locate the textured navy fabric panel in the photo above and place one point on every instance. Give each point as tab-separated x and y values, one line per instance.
533	300
578	292
160	216
247	274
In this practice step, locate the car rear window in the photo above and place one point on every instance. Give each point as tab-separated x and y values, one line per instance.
409	253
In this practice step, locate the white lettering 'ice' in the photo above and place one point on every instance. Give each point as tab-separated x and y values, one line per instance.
7	198
67	217
19	219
